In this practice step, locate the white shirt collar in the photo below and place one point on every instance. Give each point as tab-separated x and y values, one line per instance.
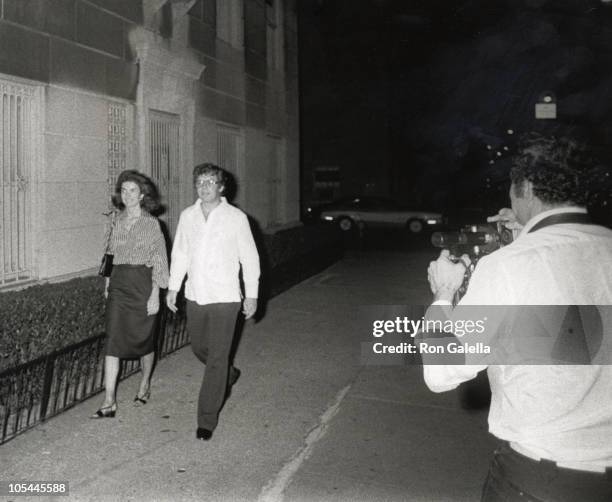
198	203
540	216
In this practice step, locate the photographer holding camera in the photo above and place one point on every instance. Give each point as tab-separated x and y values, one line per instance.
555	420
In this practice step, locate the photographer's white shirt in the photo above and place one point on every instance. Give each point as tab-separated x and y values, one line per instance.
562	413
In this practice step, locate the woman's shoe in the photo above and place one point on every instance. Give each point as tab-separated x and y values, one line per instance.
106	412
142	400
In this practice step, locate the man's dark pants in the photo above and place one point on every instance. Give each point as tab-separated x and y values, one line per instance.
211	329
514	477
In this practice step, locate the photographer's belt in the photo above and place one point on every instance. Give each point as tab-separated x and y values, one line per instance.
555	219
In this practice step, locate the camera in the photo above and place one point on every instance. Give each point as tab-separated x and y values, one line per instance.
474	240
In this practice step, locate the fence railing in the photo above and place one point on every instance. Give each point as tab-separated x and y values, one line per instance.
40	389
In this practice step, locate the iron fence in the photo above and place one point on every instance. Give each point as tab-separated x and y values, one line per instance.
40	389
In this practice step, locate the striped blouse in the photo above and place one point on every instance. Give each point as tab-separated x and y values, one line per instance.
142	244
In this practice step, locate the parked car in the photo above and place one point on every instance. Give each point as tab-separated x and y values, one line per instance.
377	211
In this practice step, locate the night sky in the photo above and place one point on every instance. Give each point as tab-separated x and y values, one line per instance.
413	99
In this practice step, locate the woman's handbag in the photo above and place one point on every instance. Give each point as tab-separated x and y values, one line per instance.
106	267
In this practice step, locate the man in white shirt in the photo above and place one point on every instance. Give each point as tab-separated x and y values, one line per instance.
556	420
213	241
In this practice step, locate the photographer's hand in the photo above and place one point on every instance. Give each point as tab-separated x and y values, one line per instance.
507	218
446	277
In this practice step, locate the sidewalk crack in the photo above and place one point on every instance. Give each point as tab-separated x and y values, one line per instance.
273	490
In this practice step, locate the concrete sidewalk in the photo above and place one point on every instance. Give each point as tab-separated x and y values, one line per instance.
305	422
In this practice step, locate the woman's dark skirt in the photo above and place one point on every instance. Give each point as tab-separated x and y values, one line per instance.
129	330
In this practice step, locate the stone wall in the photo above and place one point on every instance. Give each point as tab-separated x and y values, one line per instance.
82	59
239	88
71	43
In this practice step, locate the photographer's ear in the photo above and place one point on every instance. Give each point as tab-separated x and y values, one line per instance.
527	189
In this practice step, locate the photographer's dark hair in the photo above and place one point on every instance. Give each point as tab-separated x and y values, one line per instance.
210	169
151	200
560	168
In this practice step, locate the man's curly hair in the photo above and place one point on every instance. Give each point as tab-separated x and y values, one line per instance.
560	168
209	169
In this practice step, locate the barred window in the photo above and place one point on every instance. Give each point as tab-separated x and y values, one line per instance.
205	11
16	137
116	144
277	181
230	153
230	22
165	162
274	34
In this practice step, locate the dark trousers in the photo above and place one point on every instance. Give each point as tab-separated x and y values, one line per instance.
515	477
211	329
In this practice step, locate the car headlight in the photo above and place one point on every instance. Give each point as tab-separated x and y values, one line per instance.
328	218
433	221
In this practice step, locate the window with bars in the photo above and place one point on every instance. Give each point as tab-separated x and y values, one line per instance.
164	158
116	144
230	22
16	136
205	11
230	152
274	34
276	181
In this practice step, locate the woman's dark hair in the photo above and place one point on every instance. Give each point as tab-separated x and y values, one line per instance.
560	168
150	202
211	169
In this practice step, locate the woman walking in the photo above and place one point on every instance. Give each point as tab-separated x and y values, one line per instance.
140	269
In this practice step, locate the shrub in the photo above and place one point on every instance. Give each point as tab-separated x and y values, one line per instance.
41	319
38	320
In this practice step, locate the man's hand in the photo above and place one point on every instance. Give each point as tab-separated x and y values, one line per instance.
249	307
171	300
507	218
446	277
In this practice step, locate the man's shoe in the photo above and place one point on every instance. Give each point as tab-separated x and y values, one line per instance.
203	434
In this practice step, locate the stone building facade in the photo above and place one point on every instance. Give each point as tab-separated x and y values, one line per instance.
91	87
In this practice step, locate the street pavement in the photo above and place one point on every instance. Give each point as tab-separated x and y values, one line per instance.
307	421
